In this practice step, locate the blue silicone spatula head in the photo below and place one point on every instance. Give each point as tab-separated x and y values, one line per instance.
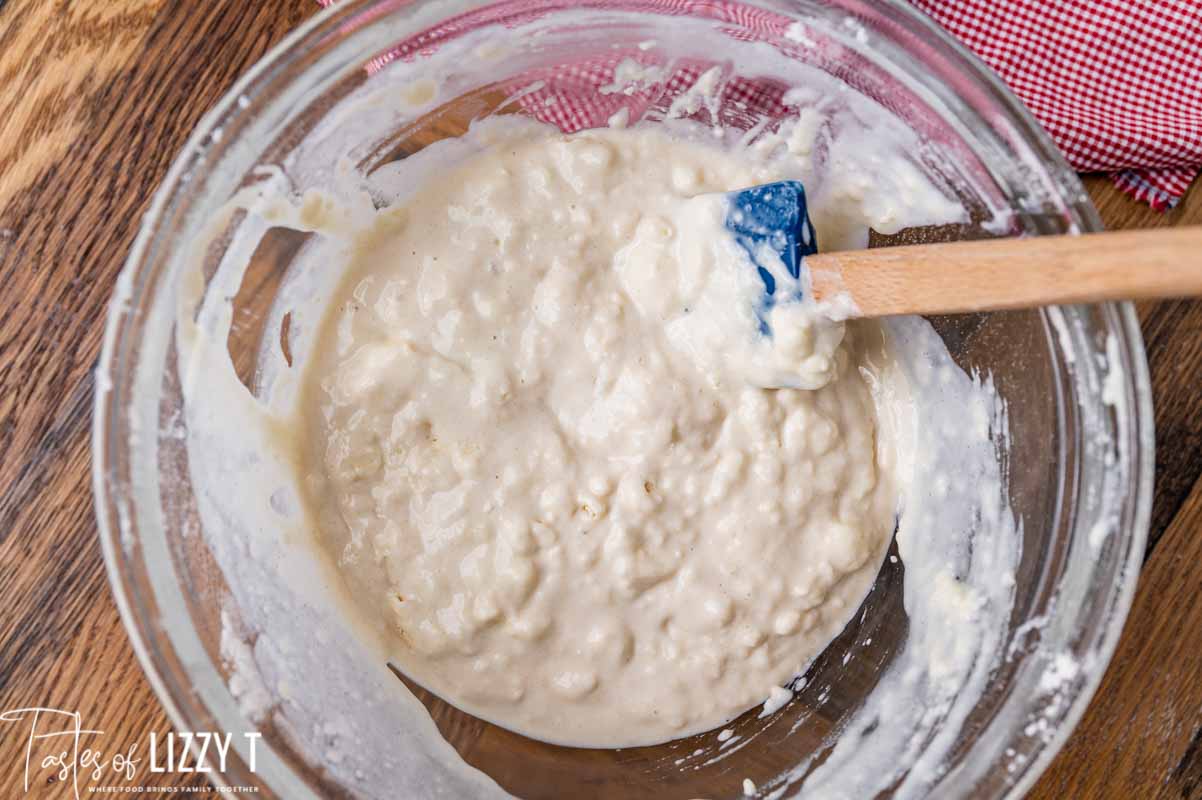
771	223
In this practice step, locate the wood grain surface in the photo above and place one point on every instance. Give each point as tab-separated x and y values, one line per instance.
96	97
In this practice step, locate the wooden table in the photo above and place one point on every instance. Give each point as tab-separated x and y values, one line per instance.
95	99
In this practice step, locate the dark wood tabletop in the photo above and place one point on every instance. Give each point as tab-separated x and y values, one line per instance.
96	98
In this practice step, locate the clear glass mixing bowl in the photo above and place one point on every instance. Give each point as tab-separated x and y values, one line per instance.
1079	459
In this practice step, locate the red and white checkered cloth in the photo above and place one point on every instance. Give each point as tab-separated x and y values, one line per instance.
1117	83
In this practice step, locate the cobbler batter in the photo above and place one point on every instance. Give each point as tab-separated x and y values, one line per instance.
542	450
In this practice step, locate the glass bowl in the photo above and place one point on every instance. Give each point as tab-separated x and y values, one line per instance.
1078	461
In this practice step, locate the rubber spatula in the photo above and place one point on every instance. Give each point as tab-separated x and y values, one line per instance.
772	225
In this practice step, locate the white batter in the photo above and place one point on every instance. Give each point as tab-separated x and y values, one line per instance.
544	454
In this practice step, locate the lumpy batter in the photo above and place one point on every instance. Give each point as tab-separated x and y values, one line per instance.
542	450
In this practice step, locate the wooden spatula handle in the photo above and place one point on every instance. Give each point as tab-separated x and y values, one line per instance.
1013	273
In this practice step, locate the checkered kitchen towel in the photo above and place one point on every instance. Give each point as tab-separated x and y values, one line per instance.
1117	83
